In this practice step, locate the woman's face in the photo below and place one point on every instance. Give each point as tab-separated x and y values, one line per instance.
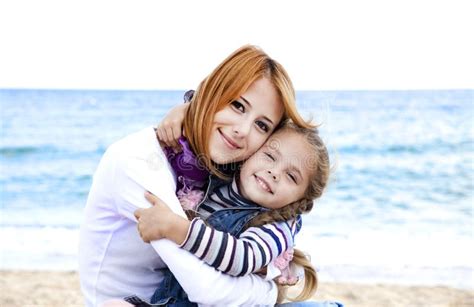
244	125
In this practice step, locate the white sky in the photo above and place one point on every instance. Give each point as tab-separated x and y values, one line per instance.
324	45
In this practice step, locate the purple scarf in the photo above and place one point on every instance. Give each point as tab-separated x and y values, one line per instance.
190	173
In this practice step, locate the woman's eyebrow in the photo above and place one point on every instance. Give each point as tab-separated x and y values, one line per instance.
250	106
246	101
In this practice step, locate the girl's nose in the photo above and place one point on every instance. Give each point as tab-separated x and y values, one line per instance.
275	176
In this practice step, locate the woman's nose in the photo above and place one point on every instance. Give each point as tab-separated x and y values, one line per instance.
243	128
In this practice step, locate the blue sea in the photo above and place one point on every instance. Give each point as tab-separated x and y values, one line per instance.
399	207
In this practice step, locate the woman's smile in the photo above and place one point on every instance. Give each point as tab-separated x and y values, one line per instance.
228	141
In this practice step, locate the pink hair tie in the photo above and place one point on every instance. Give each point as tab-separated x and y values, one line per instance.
282	262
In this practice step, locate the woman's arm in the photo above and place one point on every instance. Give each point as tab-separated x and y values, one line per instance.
255	248
170	128
205	285
141	165
202	283
138	166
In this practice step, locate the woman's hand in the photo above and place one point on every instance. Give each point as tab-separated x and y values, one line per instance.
171	127
160	222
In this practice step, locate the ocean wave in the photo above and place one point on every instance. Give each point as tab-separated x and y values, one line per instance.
46	152
39	247
26	150
359	257
438	146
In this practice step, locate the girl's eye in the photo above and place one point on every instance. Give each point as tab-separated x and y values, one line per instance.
270	156
292	177
237	105
263	126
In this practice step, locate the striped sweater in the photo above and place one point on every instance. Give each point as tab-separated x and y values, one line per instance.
250	251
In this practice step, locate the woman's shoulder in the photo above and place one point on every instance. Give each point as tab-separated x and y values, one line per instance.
138	146
143	138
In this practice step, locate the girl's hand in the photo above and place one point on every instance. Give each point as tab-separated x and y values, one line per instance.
160	222
153	222
171	127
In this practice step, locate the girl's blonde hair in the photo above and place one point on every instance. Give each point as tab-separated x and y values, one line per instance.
320	166
225	84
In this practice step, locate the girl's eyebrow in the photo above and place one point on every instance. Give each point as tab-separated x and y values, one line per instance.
250	106
275	150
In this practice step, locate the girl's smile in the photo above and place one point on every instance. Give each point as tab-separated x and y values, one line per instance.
263	184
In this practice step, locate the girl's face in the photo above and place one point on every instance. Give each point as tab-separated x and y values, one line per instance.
279	172
242	127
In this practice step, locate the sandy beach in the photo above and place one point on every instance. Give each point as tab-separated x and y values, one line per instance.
46	288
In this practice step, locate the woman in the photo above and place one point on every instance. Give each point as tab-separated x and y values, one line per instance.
233	112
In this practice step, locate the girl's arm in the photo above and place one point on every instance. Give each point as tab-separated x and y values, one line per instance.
202	283
255	248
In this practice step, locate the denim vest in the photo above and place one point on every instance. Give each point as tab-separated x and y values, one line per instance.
232	220
229	220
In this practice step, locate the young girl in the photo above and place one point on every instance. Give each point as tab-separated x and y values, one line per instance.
242	226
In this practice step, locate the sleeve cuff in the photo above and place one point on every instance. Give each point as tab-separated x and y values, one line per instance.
190	238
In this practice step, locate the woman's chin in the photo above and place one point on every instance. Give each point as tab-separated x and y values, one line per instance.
222	159
222	156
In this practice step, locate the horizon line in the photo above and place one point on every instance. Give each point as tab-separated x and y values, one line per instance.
179	90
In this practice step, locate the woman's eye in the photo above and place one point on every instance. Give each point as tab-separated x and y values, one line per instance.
263	126
292	177
270	156
237	105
